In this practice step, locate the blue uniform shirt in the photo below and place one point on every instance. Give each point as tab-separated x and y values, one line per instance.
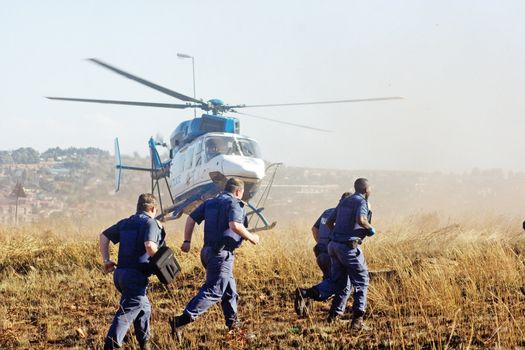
131	233
345	216
325	234
217	213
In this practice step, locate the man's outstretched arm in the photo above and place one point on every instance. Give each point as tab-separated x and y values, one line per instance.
109	265
188	233
242	231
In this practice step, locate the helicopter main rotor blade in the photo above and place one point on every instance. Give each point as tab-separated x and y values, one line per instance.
281	122
323	102
147	83
129	103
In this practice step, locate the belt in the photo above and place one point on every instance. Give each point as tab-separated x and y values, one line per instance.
353	243
228	249
220	247
141	267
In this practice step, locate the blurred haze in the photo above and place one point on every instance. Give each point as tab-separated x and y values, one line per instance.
458	64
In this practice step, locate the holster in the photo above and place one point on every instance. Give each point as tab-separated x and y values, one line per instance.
320	248
354	243
227	243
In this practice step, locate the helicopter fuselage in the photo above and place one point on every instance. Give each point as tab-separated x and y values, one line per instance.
204	151
197	168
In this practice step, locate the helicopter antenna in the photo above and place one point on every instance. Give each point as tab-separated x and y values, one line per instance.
184	56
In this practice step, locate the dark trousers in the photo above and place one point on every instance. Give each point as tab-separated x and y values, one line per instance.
323	259
220	286
349	271
134	308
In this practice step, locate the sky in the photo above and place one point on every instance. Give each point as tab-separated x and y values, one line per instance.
459	66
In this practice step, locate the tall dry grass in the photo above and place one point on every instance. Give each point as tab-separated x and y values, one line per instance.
436	284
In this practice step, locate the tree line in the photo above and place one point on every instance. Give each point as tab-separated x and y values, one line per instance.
28	155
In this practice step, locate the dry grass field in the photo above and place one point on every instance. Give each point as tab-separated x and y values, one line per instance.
436	286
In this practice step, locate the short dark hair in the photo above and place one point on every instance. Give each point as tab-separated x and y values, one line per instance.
233	184
360	185
345	195
146	202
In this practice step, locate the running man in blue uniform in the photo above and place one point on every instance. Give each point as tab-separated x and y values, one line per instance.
350	223
224	230
322	235
139	238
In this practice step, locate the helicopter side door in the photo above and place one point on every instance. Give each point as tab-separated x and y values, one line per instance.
177	172
199	173
188	166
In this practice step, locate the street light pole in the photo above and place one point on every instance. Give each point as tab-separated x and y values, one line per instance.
18	192
183	55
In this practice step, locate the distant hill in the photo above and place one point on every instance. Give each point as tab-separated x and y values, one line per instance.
79	182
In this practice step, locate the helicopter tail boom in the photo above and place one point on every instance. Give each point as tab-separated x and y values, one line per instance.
119	167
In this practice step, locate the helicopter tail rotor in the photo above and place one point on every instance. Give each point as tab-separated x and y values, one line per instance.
118	166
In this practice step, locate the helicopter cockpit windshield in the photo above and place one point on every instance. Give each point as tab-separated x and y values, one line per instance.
249	148
228	145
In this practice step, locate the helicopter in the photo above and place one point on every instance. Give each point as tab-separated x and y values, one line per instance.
205	151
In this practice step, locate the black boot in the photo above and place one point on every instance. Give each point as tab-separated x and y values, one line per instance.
145	346
332	317
313	293
357	322
299	302
176	323
235	325
109	344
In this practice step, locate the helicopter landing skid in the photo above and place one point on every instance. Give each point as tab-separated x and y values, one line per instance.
259	207
258	212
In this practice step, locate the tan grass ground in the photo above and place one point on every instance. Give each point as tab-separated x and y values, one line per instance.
452	286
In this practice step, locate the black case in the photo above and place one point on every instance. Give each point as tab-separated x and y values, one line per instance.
164	265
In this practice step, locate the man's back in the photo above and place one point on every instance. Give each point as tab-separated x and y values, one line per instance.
217	213
325	234
131	233
346	215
